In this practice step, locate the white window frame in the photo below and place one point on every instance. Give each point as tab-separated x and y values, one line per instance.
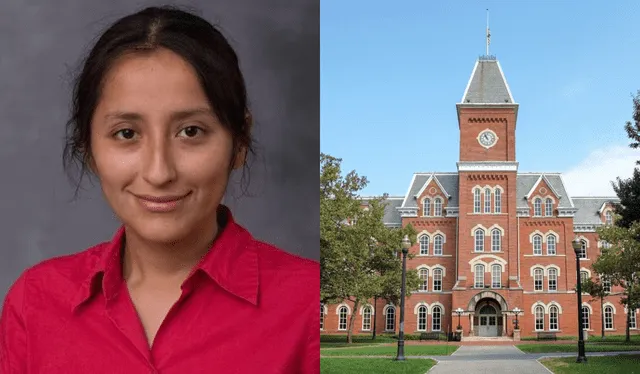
496	240
537	245
608	217
436	310
437	275
583	249
548	207
586	318
476	200
478	240
551	318
437	207
420	309
537	271
423	275
497	201
633	320
346	314
538	317
365	316
552	281
478	276
426	207
552	249
537	207
438	241
496	276
424	244
608	317
487	200
391	310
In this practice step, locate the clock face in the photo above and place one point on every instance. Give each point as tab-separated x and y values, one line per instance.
487	138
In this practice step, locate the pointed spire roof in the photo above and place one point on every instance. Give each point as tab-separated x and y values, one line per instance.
487	84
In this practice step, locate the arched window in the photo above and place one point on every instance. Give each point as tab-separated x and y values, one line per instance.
495	240
390	319
436	321
553	317
606	284
608	317
426	207
342	320
537	279
366	318
437	207
479	276
537	245
497	201
551	245
539	312
583	276
586	323
479	242
548	207
424	279
422	318
476	200
437	280
537	207
553	280
321	317
424	244
496	276
487	200
437	245
583	249
608	217
632	320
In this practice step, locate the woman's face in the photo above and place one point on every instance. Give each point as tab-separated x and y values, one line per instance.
159	150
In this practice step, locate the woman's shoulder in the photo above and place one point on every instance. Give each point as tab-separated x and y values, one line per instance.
275	258
60	273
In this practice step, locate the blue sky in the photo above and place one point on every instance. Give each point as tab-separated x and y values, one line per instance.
392	72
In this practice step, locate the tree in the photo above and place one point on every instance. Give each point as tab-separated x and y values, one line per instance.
628	191
597	291
633	128
620	263
356	248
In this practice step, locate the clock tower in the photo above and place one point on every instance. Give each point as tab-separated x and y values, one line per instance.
487	173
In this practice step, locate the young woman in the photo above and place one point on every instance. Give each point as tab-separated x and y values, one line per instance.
160	117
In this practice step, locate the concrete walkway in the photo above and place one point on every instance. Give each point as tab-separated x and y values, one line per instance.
490	359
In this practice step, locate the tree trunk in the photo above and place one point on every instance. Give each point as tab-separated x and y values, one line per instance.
602	317
353	317
627	338
375	302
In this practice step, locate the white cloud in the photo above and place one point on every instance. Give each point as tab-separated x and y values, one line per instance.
593	176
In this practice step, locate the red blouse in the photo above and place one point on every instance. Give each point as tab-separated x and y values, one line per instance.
247	307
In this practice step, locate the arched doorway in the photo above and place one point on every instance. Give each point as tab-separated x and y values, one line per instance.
489	319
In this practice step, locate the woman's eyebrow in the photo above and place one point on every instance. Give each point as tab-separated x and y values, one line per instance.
175	116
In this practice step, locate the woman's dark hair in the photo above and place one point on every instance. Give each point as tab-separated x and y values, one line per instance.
186	34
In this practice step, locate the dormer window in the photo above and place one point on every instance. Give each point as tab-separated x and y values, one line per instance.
608	217
537	207
548	207
437	207
426	207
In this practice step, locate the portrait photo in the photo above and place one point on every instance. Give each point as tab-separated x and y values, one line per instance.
159	207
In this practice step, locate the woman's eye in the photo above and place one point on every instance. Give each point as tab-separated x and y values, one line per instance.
190	131
126	134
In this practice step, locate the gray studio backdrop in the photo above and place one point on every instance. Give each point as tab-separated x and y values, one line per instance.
41	43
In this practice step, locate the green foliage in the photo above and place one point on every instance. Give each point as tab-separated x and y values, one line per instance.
628	191
633	128
358	253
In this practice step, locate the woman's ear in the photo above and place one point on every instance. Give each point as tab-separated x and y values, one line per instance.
241	153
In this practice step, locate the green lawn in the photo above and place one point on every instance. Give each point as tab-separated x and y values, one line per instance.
346	345
374	366
590	347
409	350
624	364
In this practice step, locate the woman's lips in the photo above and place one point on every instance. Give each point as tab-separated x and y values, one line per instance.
161	204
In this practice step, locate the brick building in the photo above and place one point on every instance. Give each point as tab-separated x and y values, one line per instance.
491	239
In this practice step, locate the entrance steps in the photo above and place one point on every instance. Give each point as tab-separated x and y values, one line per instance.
487	339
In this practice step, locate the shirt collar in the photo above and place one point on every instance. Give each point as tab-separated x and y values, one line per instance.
232	262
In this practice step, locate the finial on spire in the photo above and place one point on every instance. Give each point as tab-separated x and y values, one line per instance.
488	33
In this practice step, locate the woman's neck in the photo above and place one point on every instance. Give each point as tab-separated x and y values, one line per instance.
163	264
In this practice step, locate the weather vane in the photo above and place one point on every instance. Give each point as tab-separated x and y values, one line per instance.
488	33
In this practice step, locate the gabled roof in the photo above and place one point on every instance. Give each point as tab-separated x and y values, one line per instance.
589	208
540	179
448	181
487	84
391	214
433	177
526	181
